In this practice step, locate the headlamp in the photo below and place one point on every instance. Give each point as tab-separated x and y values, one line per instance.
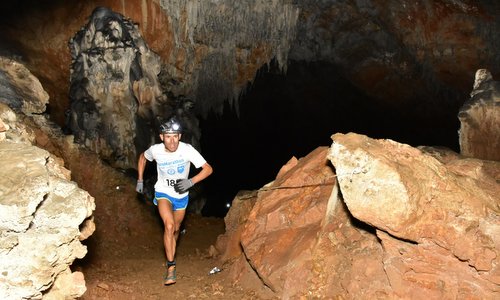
171	126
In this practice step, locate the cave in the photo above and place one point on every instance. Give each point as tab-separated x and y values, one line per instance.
258	86
282	115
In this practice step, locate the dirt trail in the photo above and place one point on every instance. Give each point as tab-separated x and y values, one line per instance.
137	272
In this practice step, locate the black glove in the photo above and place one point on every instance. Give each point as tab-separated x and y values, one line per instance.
139	187
182	185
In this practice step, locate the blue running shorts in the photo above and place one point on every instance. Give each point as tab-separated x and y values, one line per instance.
177	203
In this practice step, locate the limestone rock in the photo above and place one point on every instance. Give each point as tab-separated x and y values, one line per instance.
3	128
40	219
444	216
44	216
480	119
67	286
26	168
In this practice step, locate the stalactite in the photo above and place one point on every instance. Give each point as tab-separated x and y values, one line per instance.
236	38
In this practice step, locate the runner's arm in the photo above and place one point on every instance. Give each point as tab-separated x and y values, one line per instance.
206	170
141	166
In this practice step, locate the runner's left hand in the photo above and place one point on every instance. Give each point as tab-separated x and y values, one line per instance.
182	185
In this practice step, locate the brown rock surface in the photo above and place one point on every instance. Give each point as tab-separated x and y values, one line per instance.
298	235
402	223
301	216
445	214
228	244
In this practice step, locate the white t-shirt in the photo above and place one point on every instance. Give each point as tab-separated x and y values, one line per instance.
173	165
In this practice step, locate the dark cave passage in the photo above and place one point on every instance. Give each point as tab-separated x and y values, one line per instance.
285	115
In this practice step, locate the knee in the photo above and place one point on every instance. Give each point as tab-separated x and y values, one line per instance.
169	226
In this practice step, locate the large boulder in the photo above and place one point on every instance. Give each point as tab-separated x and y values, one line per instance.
44	216
392	221
298	236
438	222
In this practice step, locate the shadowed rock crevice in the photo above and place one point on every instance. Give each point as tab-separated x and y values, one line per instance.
356	223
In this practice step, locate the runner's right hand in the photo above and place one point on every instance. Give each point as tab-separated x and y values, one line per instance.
139	187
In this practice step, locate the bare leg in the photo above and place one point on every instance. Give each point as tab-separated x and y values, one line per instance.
172	222
178	218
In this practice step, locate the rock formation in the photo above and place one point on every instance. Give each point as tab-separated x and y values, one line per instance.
20	89
480	119
437	222
44	216
383	220
114	81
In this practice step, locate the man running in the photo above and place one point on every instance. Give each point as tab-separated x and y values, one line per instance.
173	159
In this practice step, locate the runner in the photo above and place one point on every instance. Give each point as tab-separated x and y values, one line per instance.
173	159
